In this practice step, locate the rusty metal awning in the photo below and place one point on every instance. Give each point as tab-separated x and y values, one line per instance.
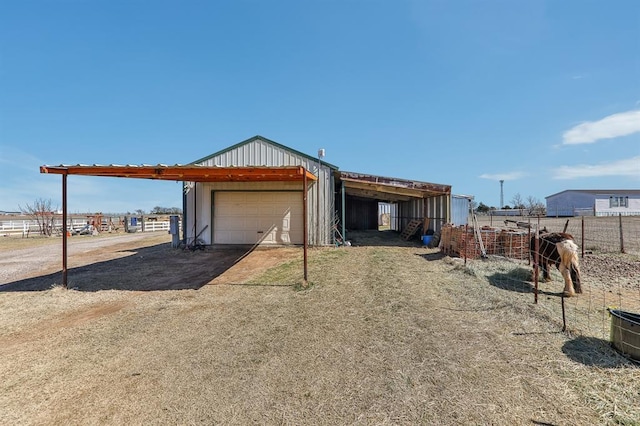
389	189
185	173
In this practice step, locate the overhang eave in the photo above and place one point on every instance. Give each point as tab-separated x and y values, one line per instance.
188	173
392	192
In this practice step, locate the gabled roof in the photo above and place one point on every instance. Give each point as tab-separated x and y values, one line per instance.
262	138
599	192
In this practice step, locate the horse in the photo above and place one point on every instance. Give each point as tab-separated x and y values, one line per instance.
559	249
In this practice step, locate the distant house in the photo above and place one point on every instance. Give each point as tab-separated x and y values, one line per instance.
594	202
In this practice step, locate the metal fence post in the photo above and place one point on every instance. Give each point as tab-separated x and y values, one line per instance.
621	234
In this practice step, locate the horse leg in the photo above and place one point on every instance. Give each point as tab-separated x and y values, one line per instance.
575	275
546	276
568	284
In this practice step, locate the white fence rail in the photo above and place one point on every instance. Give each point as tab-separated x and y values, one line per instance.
24	227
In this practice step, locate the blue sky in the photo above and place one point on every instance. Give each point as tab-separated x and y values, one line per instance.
542	94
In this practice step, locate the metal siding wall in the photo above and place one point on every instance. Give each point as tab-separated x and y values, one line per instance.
435	208
202	214
262	153
459	210
564	204
395	222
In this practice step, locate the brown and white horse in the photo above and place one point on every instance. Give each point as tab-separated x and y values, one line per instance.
559	249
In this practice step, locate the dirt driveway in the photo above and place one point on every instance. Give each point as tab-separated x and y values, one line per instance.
129	262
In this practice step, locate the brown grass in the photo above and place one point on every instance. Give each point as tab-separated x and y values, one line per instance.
383	335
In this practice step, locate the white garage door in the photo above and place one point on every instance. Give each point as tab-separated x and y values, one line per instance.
257	217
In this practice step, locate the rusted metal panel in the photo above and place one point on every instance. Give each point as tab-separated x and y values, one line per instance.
390	185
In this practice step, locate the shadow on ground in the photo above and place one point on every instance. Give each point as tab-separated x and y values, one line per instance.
431	256
516	280
385	238
157	267
594	352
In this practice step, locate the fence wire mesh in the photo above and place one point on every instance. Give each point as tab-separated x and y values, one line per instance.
498	251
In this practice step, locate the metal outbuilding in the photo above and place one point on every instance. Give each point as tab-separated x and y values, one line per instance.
259	192
257	212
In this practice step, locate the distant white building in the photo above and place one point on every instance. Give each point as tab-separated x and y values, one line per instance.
594	202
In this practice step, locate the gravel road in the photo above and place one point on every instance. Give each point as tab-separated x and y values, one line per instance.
28	262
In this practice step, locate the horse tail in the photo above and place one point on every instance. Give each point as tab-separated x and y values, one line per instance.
568	251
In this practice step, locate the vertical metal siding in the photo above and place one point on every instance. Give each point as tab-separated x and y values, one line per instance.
262	153
459	210
437	209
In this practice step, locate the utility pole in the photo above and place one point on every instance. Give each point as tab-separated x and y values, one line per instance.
501	194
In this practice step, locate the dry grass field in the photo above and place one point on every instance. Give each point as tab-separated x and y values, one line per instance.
387	332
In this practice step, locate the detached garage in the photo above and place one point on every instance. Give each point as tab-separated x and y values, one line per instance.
260	210
270	212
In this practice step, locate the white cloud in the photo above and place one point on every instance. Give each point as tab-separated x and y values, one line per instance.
629	167
503	176
612	126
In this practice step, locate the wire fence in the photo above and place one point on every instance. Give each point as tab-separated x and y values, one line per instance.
609	264
604	234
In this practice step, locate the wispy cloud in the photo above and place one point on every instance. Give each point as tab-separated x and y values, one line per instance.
629	167
503	176
612	126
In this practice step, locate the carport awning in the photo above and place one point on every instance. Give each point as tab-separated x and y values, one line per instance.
389	189
186	173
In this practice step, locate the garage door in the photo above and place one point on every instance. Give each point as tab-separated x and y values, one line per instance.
257	217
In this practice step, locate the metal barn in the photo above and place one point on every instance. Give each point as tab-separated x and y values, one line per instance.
269	212
254	211
594	202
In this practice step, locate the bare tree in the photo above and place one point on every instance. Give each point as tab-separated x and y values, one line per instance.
517	201
535	206
42	212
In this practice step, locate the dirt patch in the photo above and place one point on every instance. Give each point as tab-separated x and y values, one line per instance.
256	262
138	263
52	325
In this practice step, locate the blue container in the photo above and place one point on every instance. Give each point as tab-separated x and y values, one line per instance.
426	239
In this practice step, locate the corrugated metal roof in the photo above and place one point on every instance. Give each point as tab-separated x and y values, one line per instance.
189	173
599	192
388	188
262	138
